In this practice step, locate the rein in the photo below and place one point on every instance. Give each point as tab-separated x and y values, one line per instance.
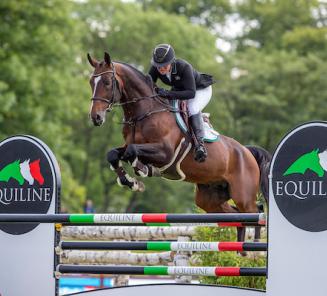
111	102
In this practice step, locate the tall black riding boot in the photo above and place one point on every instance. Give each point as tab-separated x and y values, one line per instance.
197	126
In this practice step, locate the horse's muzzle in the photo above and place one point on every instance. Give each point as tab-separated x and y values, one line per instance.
99	118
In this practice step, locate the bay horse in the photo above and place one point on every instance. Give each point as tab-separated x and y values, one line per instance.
153	140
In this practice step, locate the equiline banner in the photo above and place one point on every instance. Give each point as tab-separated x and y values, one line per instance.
299	176
29	178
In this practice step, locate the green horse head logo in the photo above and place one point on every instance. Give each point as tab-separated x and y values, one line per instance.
314	161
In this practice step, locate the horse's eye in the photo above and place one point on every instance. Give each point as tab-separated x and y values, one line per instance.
106	82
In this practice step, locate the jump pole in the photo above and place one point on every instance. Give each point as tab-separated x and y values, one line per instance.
117	219
160	270
163	246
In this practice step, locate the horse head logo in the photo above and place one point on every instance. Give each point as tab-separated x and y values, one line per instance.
314	161
22	171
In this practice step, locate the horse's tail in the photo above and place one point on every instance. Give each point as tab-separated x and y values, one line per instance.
263	158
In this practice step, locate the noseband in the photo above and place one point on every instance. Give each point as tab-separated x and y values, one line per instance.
114	81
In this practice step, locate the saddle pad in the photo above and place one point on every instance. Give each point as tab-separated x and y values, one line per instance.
210	135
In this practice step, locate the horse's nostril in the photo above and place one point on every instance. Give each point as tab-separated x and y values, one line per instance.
98	117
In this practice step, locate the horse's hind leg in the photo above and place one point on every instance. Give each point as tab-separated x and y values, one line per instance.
257	229
241	231
243	190
212	200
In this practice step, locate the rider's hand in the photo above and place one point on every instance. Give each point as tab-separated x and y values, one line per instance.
163	93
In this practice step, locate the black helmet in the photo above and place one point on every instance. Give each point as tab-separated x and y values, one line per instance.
163	54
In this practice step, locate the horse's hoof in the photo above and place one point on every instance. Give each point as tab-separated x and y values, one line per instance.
138	186
242	253
141	186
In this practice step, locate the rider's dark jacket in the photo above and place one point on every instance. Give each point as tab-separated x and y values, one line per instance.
185	80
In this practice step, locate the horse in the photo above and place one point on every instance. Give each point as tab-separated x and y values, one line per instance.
153	140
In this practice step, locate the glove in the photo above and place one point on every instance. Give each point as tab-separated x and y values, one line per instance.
163	93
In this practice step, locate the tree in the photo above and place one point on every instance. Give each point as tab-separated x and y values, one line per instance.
206	12
267	21
40	44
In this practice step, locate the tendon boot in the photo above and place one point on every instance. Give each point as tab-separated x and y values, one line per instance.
200	153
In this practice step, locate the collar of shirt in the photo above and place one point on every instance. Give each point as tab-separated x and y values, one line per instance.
168	75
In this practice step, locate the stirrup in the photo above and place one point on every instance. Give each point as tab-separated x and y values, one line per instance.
200	153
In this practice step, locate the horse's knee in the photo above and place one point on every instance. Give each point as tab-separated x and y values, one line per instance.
130	153
113	157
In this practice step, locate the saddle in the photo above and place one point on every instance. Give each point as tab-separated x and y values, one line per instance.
173	170
210	135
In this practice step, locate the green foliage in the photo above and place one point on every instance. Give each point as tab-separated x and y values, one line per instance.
268	21
40	44
276	90
306	40
229	259
207	12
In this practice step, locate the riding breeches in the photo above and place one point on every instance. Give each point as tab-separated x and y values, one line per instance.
201	99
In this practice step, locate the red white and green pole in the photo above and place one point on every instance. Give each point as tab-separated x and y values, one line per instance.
130	219
160	270
164	246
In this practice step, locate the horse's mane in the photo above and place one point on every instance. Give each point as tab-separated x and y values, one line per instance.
145	78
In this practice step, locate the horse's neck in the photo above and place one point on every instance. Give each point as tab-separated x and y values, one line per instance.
136	90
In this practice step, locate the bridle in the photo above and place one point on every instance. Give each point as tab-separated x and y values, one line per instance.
111	102
114	81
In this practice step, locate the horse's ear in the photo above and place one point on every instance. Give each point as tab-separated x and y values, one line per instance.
92	61
107	58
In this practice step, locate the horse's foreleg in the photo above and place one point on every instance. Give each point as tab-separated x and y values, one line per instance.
114	157
145	170
140	169
143	156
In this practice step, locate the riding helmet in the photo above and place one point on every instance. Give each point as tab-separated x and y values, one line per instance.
163	54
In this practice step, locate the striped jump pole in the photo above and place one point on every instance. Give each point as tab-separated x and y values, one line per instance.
160	270
118	219
164	246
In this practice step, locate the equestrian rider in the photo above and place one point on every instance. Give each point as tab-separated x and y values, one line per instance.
187	84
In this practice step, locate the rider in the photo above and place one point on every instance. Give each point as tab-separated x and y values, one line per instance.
187	84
